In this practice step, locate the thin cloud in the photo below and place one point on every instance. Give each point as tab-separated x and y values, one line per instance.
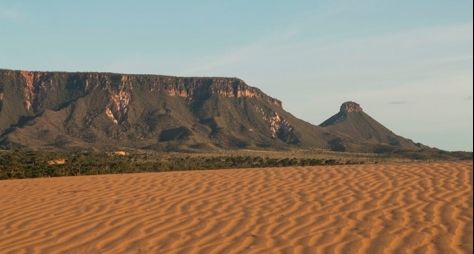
380	54
10	13
240	54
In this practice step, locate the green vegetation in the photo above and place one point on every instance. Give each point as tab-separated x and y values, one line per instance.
31	164
34	163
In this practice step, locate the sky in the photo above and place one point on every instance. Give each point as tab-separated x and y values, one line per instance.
408	63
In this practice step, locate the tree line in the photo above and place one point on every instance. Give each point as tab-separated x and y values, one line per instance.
31	164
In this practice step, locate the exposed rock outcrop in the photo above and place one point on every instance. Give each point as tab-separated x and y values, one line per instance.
33	83
1	100
278	126
225	87
349	107
118	106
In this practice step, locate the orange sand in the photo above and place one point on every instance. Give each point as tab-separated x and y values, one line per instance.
393	208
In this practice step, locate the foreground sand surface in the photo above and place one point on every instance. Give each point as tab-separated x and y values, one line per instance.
393	208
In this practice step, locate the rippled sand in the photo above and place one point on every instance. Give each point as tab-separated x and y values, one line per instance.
393	208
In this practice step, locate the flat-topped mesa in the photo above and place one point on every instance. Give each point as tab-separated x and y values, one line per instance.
185	87
349	107
188	87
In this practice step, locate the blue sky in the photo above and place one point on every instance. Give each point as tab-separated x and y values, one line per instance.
408	63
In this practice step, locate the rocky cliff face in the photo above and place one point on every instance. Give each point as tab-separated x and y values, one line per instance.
349	107
215	112
37	84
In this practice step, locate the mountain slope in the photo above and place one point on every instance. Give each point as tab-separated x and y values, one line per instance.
106	110
357	131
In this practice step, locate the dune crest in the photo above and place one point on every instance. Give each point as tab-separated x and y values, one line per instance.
392	208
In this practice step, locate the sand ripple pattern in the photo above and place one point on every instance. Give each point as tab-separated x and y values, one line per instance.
391	208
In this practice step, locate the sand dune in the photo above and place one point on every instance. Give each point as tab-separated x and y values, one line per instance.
393	208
